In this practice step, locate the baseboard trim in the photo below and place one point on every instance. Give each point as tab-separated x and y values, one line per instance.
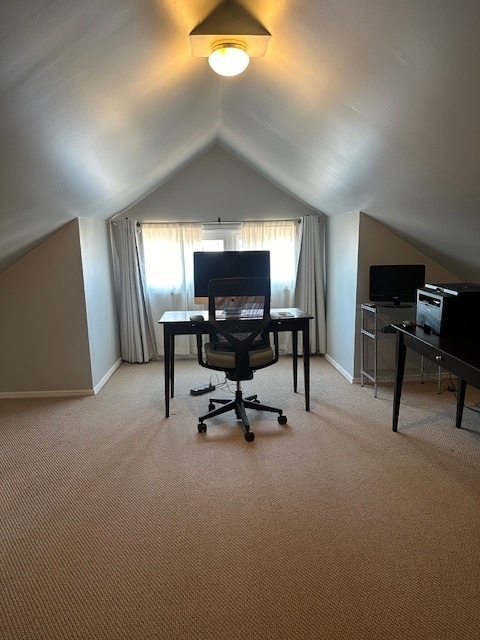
62	393
54	393
107	376
340	369
410	375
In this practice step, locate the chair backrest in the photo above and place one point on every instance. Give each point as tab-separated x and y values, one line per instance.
239	313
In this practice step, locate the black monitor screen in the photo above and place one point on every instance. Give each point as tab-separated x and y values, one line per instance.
208	265
396	283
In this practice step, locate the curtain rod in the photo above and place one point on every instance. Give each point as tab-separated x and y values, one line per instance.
215	222
320	216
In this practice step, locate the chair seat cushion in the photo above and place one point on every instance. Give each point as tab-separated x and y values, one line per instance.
226	359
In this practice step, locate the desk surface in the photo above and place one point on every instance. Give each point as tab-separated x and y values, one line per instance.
464	346
275	314
458	353
285	319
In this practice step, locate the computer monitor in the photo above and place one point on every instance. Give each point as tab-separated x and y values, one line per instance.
396	284
209	265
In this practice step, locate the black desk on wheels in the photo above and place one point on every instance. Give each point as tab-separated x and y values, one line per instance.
177	323
457	353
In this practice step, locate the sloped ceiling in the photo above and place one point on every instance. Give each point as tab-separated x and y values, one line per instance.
368	105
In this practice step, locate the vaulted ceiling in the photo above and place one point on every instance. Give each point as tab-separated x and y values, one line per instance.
369	105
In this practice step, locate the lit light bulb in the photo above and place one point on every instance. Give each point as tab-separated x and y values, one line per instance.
229	58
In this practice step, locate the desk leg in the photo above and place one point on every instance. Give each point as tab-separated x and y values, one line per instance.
167	342
295	359
172	365
460	403
306	362
399	371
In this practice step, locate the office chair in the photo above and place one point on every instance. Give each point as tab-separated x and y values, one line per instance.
239	317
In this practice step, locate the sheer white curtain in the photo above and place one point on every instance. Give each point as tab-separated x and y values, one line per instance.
169	251
309	293
281	238
137	340
155	274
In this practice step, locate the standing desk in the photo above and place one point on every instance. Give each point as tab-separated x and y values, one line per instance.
177	323
458	353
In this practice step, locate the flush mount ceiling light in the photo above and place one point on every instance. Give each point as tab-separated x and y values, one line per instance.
229	58
229	37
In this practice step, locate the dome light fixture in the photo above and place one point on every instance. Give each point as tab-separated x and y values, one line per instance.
229	58
229	37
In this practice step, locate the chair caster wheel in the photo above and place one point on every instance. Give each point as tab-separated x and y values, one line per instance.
202	427
211	406
249	436
282	419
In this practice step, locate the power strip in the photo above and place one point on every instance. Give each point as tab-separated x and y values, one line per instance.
204	388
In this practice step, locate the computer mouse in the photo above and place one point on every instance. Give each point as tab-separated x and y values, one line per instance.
197	318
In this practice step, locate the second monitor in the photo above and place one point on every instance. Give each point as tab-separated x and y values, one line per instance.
209	265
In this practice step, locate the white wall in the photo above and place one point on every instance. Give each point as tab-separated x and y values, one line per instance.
378	245
354	242
217	185
99	293
43	325
59	330
342	237
58	327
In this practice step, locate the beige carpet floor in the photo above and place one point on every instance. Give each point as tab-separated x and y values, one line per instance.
116	523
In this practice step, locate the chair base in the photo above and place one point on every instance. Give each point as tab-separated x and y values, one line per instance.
239	405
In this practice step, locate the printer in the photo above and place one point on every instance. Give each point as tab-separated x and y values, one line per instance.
447	308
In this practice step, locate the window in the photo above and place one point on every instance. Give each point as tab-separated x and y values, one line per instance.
168	252
222	237
281	239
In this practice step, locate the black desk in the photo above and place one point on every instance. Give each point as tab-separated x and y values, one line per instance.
177	323
459	354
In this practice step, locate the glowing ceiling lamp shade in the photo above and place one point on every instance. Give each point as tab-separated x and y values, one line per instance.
229	37
229	58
